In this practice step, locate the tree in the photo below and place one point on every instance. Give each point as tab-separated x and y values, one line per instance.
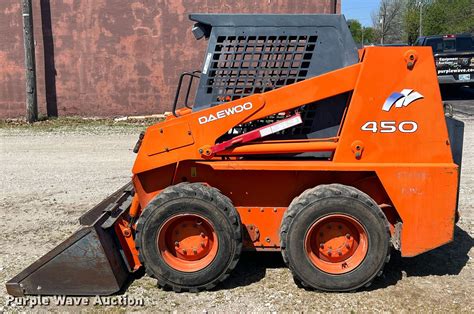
355	28
449	17
411	20
439	17
387	21
369	35
362	35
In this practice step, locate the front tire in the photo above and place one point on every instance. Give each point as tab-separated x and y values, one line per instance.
189	237
334	238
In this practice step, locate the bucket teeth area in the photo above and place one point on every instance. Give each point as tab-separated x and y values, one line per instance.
87	263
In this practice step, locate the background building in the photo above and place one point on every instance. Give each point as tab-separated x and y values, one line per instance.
113	57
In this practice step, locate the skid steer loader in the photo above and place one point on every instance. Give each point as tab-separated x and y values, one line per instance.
295	142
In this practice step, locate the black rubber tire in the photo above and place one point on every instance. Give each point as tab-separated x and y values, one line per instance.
321	201
190	198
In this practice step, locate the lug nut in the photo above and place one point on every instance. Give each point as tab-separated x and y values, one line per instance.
339	252
348	236
184	251
202	234
348	246
202	244
195	251
176	243
321	245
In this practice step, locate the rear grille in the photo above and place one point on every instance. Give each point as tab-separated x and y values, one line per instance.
245	65
255	53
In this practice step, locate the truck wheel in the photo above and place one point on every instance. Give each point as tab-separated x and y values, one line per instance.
189	237
334	238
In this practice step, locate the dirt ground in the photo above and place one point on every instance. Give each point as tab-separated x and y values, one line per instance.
50	177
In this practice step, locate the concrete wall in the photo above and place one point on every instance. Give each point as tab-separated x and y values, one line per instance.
112	57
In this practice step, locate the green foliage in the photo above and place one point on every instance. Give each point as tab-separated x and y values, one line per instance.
411	21
449	16
359	32
369	35
439	17
401	20
356	30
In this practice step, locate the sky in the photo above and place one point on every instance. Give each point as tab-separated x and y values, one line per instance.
360	10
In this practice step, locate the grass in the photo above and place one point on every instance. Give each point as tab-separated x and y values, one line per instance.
45	124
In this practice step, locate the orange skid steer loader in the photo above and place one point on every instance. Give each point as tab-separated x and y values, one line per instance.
295	142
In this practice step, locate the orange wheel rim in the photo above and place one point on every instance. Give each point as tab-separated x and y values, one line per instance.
336	244
187	242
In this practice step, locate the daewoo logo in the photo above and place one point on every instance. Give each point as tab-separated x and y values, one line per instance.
406	97
225	113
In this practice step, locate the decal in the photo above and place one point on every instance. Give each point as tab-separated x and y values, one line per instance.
402	99
390	127
206	63
225	113
279	126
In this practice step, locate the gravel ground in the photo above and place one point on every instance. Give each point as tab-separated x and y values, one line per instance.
462	99
50	178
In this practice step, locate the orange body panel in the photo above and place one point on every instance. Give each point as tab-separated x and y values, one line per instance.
265	235
124	235
408	169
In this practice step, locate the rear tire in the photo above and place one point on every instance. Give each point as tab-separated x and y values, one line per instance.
335	238
189	237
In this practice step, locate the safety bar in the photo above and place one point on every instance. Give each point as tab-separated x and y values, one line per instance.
192	75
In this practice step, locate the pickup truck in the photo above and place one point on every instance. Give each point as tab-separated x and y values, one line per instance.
454	57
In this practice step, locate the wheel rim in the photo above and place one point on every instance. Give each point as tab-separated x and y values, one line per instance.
336	244
187	242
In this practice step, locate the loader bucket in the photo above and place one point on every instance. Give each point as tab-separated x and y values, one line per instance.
87	263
